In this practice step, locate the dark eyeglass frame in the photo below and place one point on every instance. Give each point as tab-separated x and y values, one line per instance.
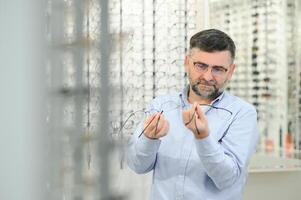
218	108
189	121
216	71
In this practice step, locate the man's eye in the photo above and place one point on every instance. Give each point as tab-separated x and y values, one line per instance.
201	66
218	69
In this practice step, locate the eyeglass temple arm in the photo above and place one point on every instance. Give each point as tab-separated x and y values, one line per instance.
149	124
216	107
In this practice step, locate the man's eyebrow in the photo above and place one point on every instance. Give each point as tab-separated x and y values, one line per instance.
219	66
199	62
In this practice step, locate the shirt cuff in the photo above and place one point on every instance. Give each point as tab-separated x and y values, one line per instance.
147	146
206	146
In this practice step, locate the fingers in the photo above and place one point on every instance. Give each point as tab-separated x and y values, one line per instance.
197	111
189	115
151	122
155	126
162	128
195	120
200	113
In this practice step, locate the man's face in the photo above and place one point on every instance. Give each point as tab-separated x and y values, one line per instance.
208	73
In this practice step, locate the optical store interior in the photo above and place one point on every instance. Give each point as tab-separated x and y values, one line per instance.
75	76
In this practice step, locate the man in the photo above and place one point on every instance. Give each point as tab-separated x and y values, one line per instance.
201	149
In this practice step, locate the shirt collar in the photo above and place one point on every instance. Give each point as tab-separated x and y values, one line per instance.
184	97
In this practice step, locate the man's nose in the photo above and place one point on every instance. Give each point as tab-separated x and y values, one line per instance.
207	75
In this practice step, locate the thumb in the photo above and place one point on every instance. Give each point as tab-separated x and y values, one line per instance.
199	112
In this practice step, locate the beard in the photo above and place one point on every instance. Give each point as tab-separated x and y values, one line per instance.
207	89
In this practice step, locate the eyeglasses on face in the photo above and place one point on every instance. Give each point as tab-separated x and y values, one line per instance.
216	71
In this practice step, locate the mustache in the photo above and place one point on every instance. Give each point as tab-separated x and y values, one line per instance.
207	83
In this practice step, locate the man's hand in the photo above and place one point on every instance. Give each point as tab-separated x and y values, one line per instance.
195	120
156	126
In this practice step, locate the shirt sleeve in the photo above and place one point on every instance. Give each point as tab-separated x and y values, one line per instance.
141	151
141	154
225	161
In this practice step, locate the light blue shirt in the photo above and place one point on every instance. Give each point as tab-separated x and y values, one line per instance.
213	168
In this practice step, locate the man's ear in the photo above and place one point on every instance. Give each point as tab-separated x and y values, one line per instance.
186	63
232	69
